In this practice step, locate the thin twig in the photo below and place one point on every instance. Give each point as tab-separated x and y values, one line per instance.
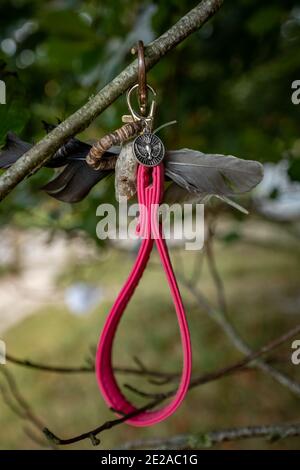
198	266
37	439
224	371
140	370
273	432
220	316
24	406
92	435
158	398
212	265
48	368
17	403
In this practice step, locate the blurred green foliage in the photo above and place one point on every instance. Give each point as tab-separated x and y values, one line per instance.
228	85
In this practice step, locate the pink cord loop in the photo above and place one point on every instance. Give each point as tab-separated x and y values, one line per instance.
149	197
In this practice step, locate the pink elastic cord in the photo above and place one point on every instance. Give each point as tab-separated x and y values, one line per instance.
149	196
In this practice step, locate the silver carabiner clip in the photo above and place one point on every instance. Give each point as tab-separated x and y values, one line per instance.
136	116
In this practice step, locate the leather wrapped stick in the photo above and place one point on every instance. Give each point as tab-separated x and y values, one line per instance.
117	137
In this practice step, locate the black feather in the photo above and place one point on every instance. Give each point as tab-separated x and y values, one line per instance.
74	182
12	150
73	149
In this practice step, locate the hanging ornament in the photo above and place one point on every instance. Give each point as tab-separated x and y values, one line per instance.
148	150
141	165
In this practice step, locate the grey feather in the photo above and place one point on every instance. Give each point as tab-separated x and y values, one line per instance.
212	173
198	176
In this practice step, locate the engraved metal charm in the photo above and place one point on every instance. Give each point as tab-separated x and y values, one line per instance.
148	149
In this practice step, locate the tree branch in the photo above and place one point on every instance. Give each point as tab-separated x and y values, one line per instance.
92	435
219	315
272	432
202	379
43	150
24	411
14	399
139	370
48	368
158	398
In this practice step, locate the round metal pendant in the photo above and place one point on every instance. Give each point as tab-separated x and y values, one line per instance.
148	149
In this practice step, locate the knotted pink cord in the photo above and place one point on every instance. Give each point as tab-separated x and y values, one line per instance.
149	197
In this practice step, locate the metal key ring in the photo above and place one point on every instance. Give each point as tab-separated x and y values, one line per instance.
136	116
